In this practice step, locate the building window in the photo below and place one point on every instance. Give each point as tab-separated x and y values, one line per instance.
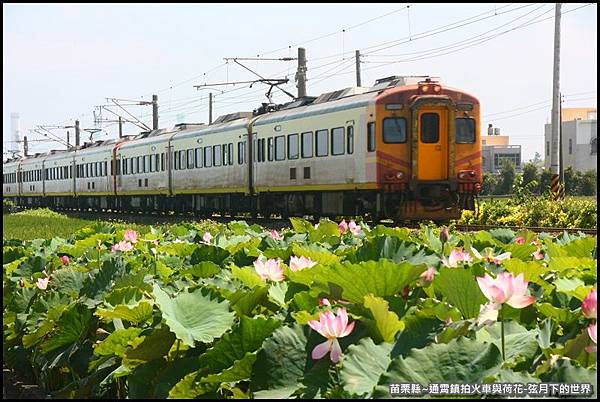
465	130
394	130
307	144
293	146
499	158
570	146
371	136
337	141
322	146
547	148
594	144
280	148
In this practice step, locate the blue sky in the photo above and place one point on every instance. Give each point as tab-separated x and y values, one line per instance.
61	60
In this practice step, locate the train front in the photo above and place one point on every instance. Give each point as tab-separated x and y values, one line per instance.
428	151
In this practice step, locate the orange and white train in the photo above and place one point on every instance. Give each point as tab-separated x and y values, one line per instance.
406	148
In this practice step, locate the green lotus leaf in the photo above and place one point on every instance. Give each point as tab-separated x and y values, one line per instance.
459	288
362	365
194	316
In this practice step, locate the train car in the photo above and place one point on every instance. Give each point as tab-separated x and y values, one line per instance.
31	179
10	185
406	148
59	180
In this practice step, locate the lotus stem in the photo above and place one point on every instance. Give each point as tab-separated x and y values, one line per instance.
502	330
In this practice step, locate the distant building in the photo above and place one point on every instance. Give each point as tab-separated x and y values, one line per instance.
496	148
579	139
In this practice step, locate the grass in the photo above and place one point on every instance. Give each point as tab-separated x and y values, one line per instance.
46	224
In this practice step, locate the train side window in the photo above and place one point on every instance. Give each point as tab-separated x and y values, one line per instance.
430	128
106	168
70	171
307	144
293	151
350	139
465	130
217	157
157	162
124	167
280	148
230	146
182	159
190	158
371	141
394	130
207	156
260	150
87	171
225	155
270	148
162	162
337	141
146	163
322	146
198	156
241	151
131	166
140	164
151	162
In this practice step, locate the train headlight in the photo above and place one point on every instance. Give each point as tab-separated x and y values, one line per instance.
437	89
424	88
466	174
399	175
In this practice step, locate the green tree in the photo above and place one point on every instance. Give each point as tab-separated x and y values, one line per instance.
530	173
588	184
507	177
545	180
490	182
573	179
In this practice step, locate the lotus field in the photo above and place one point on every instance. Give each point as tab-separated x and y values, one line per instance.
333	310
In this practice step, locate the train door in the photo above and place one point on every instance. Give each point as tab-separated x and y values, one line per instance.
432	163
350	166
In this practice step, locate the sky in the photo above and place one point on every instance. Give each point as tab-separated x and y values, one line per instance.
61	61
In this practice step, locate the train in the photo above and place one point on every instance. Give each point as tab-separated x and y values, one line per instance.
406	148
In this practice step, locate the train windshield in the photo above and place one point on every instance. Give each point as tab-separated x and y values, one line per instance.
465	130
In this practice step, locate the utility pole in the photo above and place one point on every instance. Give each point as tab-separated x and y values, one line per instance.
301	73
155	112
68	141
554	146
120	127
210	102
560	142
25	146
77	138
358	68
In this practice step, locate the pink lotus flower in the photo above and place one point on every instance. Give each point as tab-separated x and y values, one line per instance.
275	235
207	237
590	305
130	236
43	283
331	327
354	228
520	240
122	246
489	256
270	269
297	264
343	226
592	332
428	275
65	260
504	289
457	256
538	255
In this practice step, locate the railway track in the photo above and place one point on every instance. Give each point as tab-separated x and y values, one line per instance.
280	223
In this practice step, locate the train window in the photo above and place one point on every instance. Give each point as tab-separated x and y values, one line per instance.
241	152
430	128
132	166
207	156
394	130
371	141
230	153
322	146
307	144
162	161
254	149
146	163
175	160
106	168
156	162
182	158
260	150
152	163
225	155
465	130
87	171
99	172
270	148
350	139
140	164
198	155
293	151
337	141
217	157
190	158
124	168
280	148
